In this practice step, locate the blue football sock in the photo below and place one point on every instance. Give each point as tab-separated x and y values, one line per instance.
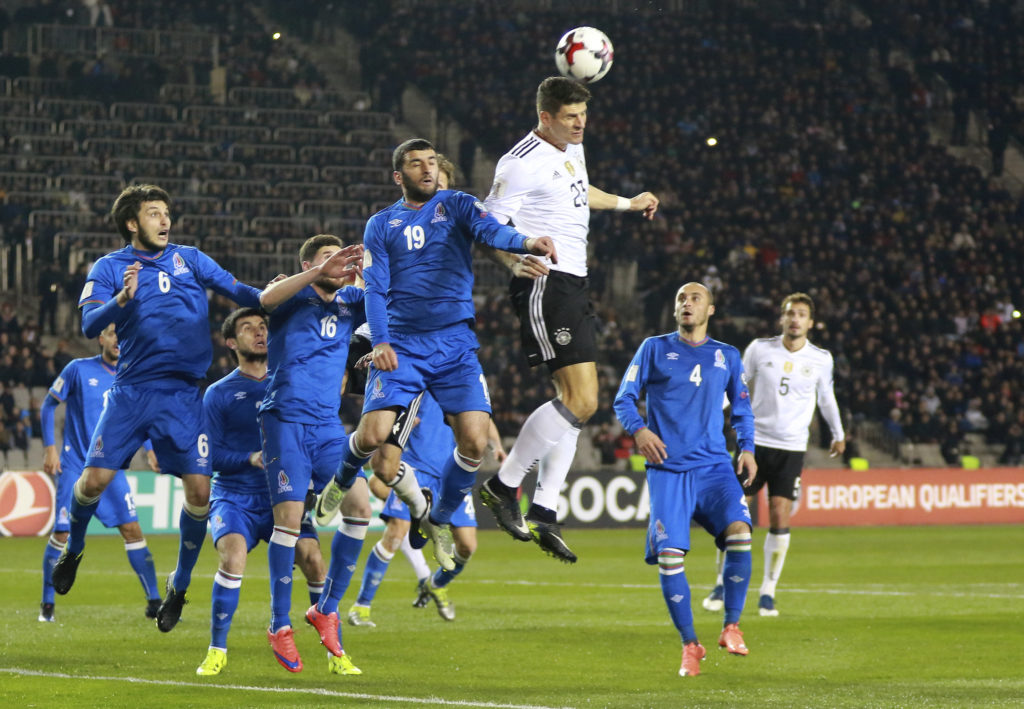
142	562
675	588
81	514
280	559
458	477
224	602
442	578
50	556
351	464
736	575
376	566
192	529
345	548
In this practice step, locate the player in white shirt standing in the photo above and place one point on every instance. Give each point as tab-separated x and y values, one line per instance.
541	186
787	376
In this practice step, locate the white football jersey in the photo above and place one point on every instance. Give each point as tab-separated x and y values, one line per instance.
543	191
785	386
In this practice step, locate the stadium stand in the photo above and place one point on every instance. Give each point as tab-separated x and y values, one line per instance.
826	177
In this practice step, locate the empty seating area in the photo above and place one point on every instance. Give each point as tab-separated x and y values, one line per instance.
248	175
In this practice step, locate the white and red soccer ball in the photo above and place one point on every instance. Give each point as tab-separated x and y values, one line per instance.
584	54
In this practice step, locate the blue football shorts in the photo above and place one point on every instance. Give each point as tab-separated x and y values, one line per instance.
116	507
167	412
300	456
248	515
709	495
443	362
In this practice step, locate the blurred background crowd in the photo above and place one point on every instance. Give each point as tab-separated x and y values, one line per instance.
866	153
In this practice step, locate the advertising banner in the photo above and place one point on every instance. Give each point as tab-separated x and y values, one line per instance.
610	498
27	504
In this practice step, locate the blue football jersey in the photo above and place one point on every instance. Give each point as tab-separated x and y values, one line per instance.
418	262
82	385
685	384
431	443
230	407
307	352
164	330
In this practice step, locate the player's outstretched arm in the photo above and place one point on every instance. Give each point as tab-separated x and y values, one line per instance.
645	202
384	357
542	246
521	265
344	263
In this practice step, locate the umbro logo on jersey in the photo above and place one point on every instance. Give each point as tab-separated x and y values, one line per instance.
395	222
239	395
179	265
673	356
94	382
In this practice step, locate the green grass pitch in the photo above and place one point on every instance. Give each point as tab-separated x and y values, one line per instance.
870	617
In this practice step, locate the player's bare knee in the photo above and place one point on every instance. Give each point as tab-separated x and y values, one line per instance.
735	528
464	548
197	490
131	532
59	537
358	506
394	533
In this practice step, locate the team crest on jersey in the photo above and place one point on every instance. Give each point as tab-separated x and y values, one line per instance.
378	388
439	214
720	359
787	367
283	483
395	222
217	522
563	336
179	265
660	534
63	517
570	168
97	450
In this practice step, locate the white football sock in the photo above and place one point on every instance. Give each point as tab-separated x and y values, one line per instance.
407	489
415	557
775	547
553	470
542	430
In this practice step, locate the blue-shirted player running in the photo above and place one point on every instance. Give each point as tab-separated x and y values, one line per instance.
240	510
312	316
81	387
689	472
419	305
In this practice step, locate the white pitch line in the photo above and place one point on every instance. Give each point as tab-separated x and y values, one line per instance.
281	690
830	591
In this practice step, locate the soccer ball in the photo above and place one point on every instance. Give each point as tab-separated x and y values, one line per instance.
584	54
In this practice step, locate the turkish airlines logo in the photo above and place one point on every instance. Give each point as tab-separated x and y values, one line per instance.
26	504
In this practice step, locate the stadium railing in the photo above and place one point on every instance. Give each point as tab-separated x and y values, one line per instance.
124	42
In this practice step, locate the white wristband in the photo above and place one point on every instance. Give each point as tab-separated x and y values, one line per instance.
621	204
